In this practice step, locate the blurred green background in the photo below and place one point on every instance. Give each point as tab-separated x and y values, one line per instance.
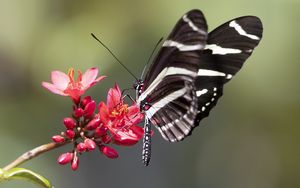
251	139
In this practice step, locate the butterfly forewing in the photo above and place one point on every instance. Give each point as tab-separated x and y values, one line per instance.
180	48
169	83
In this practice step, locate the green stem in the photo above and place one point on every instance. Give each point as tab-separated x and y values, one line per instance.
33	153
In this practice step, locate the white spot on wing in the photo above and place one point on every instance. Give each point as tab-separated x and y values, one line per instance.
201	92
241	31
205	72
182	47
220	50
229	76
180	137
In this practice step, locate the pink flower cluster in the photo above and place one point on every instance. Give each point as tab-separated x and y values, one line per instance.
115	122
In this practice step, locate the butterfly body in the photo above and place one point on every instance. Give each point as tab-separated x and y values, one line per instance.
186	78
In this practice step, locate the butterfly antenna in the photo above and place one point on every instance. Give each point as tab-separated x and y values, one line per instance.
114	56
158	42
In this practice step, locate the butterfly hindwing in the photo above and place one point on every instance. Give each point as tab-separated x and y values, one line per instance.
227	48
174	114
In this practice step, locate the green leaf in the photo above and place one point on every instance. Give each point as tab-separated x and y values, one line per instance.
24	174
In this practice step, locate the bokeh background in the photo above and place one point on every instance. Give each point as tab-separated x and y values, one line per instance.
251	139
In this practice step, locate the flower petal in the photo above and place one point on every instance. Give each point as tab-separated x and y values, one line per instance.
114	97
96	81
133	110
89	77
103	112
134	116
138	130
52	88
126	137
125	141
60	80
100	78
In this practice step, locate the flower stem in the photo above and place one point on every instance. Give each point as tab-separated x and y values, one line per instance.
33	153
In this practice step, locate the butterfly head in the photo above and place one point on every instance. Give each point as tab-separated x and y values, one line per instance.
139	87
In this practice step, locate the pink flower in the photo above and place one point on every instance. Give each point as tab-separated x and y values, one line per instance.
121	119
66	85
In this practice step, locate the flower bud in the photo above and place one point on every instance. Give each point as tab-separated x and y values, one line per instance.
89	144
58	139
86	100
78	112
81	147
70	134
89	109
93	124
69	123
75	163
109	152
65	158
100	131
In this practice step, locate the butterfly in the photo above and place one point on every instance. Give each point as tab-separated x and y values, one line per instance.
186	78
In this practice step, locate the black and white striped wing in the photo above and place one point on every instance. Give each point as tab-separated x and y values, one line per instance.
181	48
169	83
227	48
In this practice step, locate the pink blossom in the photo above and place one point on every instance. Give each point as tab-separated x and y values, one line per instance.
66	85
121	119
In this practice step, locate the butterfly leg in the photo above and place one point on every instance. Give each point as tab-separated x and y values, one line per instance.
128	96
146	154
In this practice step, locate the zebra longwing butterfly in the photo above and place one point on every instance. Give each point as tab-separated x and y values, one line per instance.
186	78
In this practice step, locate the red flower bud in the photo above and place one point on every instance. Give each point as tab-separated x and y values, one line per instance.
69	123
106	139
86	100
78	112
81	147
75	163
70	134
89	144
89	109
93	124
100	131
58	139
65	158
109	152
